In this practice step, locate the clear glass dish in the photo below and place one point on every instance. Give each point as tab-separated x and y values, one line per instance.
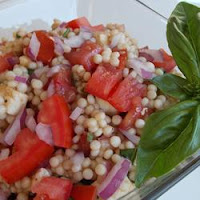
143	23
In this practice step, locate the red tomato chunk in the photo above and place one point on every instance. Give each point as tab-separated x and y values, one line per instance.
30	151
103	80
52	188
55	112
83	56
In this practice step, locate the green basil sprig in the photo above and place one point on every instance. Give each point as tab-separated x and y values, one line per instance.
173	134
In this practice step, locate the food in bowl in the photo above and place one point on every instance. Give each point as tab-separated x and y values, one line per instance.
76	101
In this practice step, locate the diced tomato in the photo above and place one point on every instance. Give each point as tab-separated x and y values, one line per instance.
83	56
168	62
83	22
55	112
133	114
54	188
4	63
46	51
42	197
103	80
63	85
30	151
84	192
122	58
84	144
124	93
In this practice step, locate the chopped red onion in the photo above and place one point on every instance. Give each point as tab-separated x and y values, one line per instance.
132	137
13	60
151	54
78	158
63	24
34	47
114	179
51	89
13	129
30	123
4	153
59	50
44	132
38	72
76	113
53	70
74	41
21	79
146	74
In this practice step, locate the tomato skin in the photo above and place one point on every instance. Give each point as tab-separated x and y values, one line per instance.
29	152
83	56
55	112
168	62
84	145
124	93
52	188
103	80
84	192
42	197
4	64
63	85
83	22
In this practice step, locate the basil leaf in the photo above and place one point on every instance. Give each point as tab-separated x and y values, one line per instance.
172	85
183	30
129	154
90	137
167	139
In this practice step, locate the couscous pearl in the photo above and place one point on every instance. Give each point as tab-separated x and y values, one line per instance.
91	122
36	84
129	145
162	97
107	131
145	101
60	157
132	131
95	145
94	153
97	59
108	154
89	109
108	119
1	100
81	119
96	106
87	174
139	123
60	171
32	65
115	141
114	62
25	182
2	110
78	129
151	104
43	95
78	176
100	116
106	58
86	76
116	158
67	164
116	119
10	75
125	72
30	96
99	132
100	169
152	87
35	100
132	176
151	94
22	87
54	162
69	152
37	92
159	72
66	48
82	103
76	168
12	84
90	99
93	129
133	74
122	146
76	139
86	162
17	71
158	104
22	196
18	184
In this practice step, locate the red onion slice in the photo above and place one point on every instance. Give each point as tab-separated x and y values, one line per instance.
59	50
34	47
151	54
53	70
74	41
13	129
13	60
78	158
4	153
132	137
21	79
114	179
76	113
44	132
63	24
51	89
38	72
30	123
146	74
